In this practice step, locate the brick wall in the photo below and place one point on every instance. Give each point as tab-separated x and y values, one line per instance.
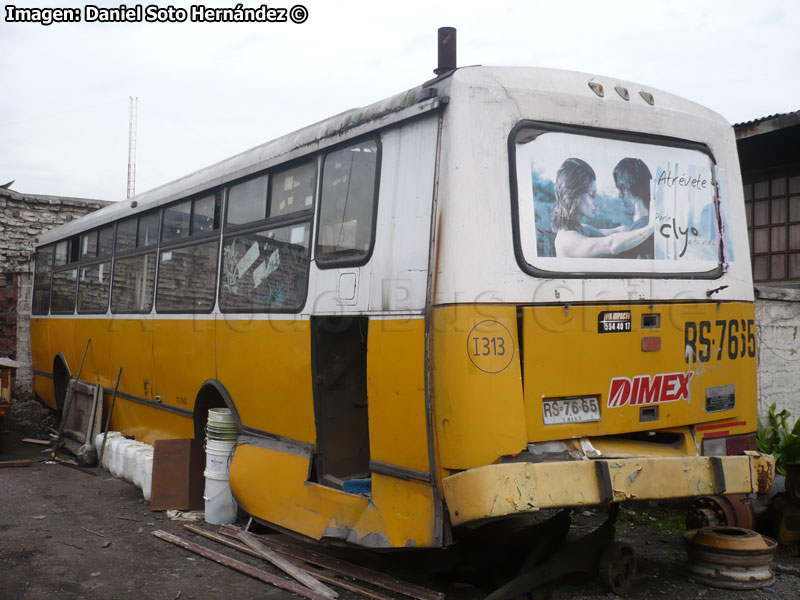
8	314
23	217
778	327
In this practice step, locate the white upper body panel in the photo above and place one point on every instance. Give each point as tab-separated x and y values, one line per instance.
476	255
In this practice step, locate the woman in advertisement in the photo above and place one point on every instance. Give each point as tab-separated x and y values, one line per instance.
576	192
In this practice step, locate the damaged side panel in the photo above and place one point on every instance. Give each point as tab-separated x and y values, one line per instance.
288	499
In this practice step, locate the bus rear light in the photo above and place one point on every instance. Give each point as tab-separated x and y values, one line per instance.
651	343
732	445
597	88
647	97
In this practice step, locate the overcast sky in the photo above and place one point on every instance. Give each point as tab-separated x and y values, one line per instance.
209	91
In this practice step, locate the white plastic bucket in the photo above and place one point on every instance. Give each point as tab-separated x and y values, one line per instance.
98	439
98	442
218	456
220	415
118	457
220	504
147	476
138	464
110	450
129	458
221	425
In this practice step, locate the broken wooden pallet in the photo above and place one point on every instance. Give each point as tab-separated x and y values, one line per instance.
284	565
325	575
291	548
289	586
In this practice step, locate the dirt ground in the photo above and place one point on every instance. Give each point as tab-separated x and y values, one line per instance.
66	534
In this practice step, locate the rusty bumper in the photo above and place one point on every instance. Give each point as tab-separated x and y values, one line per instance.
503	489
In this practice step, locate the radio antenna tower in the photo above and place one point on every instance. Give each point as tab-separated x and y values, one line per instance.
132	145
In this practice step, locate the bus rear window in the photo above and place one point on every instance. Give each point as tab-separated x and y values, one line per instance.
610	206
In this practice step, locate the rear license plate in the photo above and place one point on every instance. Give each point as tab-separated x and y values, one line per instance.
570	410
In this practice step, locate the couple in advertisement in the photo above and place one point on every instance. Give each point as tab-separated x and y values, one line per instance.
576	202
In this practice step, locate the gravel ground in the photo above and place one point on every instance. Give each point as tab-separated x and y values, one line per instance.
67	534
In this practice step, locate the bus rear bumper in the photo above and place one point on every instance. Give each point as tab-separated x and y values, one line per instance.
503	489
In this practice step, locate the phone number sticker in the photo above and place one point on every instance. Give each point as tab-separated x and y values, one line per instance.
614	321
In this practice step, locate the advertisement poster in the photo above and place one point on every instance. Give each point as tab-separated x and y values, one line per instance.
592	204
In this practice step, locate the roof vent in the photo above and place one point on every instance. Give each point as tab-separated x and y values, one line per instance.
447	50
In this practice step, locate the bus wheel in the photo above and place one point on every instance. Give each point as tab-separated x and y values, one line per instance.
208	398
618	567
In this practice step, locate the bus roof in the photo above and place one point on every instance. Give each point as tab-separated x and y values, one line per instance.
451	87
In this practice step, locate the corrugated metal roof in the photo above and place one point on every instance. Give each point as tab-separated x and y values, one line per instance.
795	113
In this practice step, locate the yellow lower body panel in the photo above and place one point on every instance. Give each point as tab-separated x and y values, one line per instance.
273	486
503	489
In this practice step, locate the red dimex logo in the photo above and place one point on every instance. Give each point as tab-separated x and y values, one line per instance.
644	389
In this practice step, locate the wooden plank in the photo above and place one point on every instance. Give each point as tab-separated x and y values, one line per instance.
321	574
15	463
285	566
290	547
39	442
289	586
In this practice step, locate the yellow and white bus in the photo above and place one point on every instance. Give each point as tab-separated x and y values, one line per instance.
503	291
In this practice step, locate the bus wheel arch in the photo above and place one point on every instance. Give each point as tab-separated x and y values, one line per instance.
212	394
61	377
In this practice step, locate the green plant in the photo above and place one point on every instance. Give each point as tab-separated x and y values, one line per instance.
777	439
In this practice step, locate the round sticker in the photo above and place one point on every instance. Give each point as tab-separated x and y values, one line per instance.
490	346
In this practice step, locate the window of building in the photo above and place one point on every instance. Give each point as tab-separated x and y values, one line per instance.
772	207
348	203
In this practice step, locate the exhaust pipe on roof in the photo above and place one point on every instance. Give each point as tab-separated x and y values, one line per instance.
447	50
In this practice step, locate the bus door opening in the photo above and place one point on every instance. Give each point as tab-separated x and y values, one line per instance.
339	370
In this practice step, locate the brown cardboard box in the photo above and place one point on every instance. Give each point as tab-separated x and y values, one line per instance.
178	481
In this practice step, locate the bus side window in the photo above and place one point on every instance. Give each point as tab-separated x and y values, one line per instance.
247	201
187	279
176	221
148	229
292	190
348	203
205	213
132	284
105	241
89	245
126	234
266	270
63	297
93	287
41	281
